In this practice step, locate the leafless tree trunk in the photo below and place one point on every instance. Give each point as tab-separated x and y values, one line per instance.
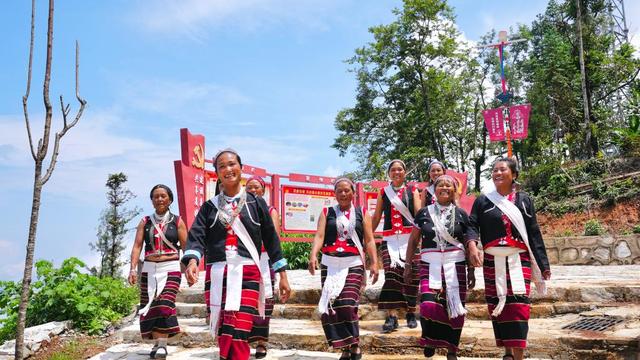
39	155
583	79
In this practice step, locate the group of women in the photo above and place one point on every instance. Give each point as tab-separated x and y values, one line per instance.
429	248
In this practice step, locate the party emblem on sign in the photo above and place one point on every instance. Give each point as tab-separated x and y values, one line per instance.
198	157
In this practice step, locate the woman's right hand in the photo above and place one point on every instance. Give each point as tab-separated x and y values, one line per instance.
192	272
407	276
313	264
133	277
474	254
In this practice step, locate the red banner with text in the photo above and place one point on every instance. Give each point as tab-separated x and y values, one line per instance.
495	124
519	120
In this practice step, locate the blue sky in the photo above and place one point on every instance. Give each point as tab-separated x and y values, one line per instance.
263	76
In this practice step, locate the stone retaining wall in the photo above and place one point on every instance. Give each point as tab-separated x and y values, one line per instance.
594	250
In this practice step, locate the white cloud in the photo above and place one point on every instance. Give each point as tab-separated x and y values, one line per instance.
178	99
195	18
273	154
332	171
88	153
488	21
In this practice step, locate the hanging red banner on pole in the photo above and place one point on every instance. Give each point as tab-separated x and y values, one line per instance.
519	120
495	124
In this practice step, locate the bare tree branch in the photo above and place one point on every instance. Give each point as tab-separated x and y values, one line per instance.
82	101
42	151
67	126
626	83
26	94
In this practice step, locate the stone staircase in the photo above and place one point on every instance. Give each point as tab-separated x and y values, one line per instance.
574	293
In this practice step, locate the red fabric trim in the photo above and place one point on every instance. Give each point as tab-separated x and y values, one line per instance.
508	240
399	231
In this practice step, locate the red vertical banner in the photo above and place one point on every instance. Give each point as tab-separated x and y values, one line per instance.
495	124
519	120
190	176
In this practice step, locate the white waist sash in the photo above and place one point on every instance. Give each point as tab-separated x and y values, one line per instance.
503	257
397	248
265	272
337	271
235	264
514	214
444	262
157	274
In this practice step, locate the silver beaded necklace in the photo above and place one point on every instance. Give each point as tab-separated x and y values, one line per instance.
228	214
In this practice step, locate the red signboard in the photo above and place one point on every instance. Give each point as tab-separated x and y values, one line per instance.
301	207
190	178
519	120
495	124
311	178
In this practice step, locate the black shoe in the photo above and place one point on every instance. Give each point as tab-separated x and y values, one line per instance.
262	353
162	354
390	324
346	354
411	320
356	355
429	352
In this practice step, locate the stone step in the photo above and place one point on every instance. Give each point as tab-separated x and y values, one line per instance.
594	293
134	351
569	284
476	311
546	336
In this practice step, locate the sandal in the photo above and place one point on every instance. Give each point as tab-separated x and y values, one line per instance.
154	352
508	357
429	352
356	355
346	355
261	354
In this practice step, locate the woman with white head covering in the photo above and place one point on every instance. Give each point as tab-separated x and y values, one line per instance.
436	169
441	231
344	235
229	230
398	202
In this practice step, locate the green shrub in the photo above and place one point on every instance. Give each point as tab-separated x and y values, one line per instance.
9	302
636	229
297	253
91	303
535	179
631	145
593	227
558	186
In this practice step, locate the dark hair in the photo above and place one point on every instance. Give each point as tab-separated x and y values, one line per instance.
161	186
511	163
218	185
228	150
345	179
396	161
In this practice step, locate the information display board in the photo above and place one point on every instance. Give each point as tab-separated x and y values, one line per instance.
301	207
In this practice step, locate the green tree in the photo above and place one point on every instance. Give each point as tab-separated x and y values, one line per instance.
112	228
553	74
407	89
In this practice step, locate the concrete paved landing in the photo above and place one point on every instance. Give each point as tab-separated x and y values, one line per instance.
141	351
